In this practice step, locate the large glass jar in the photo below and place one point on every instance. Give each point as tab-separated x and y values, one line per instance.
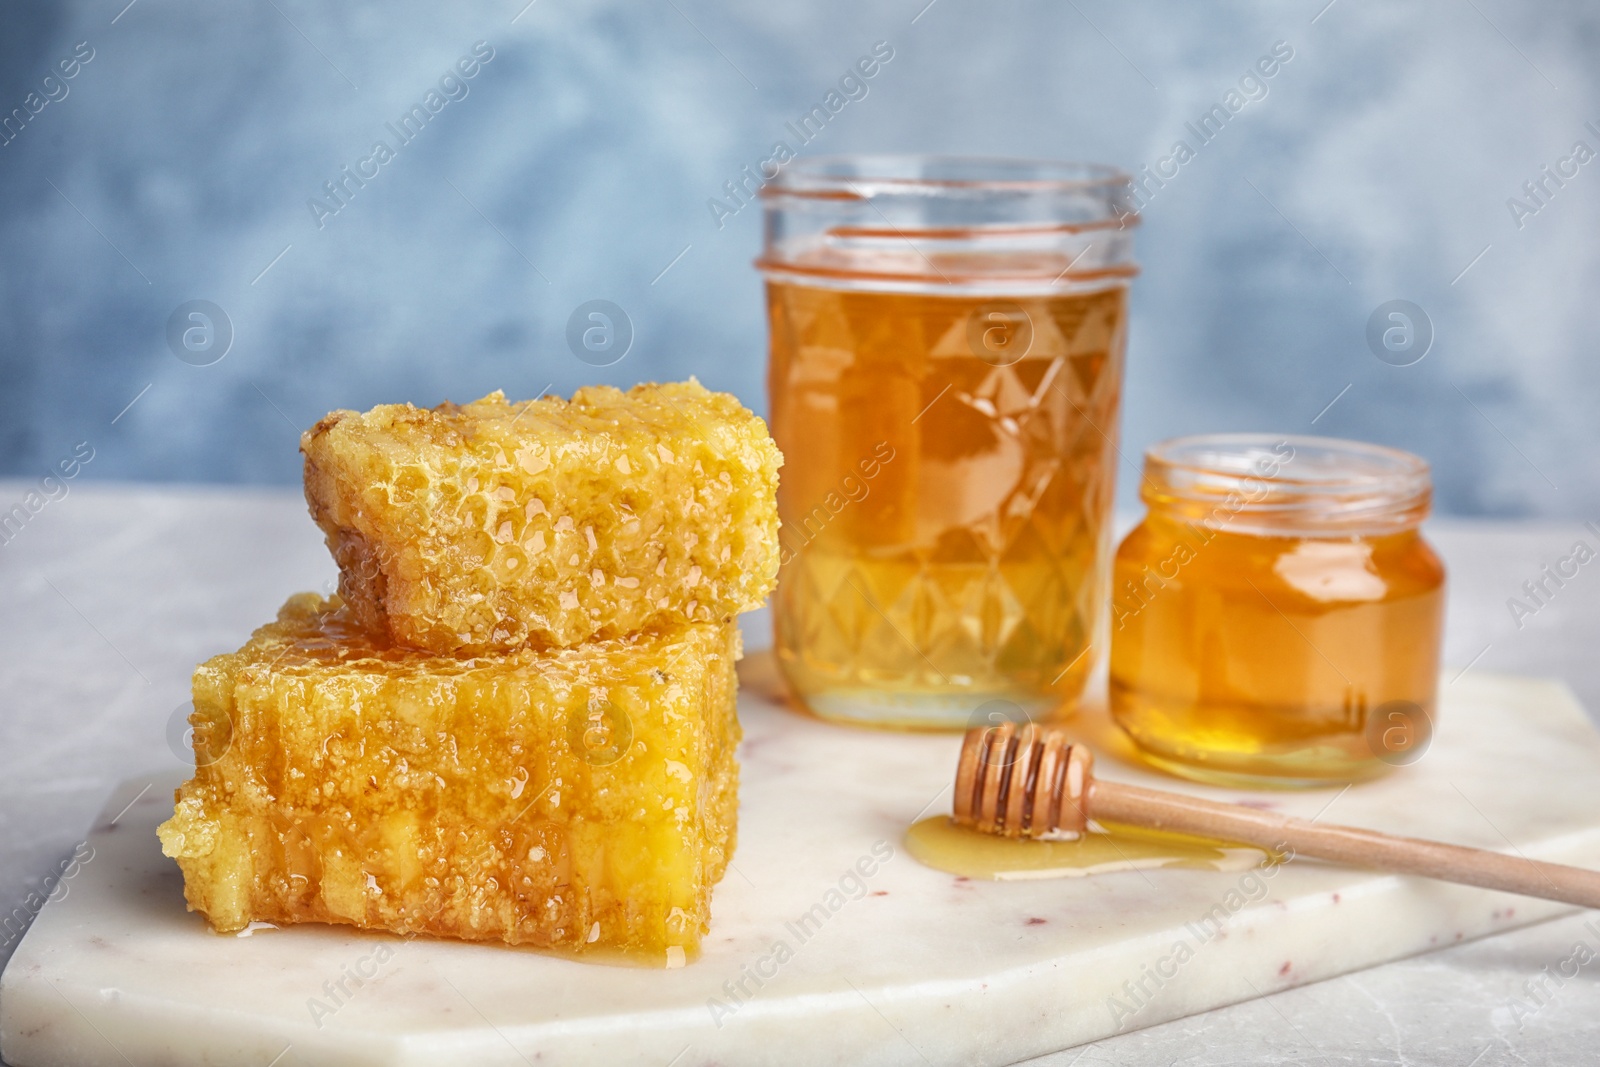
946	370
1276	618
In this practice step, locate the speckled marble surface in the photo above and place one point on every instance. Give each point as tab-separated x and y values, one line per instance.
826	934
113	593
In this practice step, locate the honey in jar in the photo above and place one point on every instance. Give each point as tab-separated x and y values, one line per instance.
1277	616
945	379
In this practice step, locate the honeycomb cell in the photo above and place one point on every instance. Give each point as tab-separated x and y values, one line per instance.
580	800
492	526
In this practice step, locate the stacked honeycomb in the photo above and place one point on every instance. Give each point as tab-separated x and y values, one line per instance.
579	798
578	794
488	526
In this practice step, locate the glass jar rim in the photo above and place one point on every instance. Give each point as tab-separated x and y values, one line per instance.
859	176
948	225
1288	484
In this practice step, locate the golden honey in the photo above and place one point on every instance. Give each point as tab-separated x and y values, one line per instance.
940	843
946	398
571	800
1277	616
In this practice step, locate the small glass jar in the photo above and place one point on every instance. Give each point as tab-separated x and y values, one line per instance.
1276	618
946	378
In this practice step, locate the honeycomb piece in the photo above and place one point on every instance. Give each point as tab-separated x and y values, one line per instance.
580	800
492	526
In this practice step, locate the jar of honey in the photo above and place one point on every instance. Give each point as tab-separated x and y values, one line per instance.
945	379
1276	618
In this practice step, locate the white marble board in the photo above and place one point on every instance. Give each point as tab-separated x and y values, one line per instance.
917	967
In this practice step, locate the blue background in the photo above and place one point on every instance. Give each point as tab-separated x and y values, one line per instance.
579	165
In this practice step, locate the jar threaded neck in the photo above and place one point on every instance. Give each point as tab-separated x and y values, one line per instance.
1287	485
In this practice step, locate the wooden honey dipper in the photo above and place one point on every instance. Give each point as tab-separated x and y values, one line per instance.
1031	781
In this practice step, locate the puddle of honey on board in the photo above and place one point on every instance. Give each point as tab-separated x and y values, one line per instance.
941	844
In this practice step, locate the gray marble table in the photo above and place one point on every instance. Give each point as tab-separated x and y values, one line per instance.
110	595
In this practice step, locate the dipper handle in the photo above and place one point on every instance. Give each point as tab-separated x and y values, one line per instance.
1031	781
